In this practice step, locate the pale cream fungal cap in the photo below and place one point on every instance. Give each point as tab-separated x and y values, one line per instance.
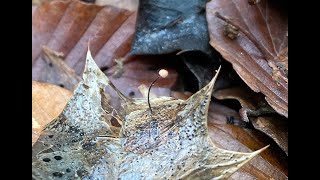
163	73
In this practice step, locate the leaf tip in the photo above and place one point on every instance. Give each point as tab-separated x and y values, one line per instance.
260	150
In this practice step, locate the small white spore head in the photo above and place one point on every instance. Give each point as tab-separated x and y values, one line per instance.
163	73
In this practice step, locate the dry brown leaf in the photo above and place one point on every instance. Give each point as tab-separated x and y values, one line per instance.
274	127
135	72
113	47
131	5
56	71
47	103
43	26
67	27
262	40
271	164
256	109
109	45
143	70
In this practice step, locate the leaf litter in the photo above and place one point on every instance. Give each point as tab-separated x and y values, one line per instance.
172	141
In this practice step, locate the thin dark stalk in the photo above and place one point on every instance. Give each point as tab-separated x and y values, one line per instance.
149	93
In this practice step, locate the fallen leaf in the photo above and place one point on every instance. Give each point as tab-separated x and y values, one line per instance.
56	71
117	47
272	163
108	44
47	103
255	109
165	26
143	70
136	71
246	97
67	27
262	41
82	142
275	127
43	26
131	5
202	69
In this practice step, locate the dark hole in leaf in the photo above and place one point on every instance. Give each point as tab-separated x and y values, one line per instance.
88	146
50	136
57	174
81	173
46	159
68	170
131	94
57	157
61	85
73	130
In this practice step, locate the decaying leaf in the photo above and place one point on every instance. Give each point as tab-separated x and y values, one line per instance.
171	141
237	139
131	5
47	103
202	70
270	164
256	110
67	26
165	26
259	54
57	71
275	127
52	22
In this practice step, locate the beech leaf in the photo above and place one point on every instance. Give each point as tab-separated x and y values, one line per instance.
58	52
254	39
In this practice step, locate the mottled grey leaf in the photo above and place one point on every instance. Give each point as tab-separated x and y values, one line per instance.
170	142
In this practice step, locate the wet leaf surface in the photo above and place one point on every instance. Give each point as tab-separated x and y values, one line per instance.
165	26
